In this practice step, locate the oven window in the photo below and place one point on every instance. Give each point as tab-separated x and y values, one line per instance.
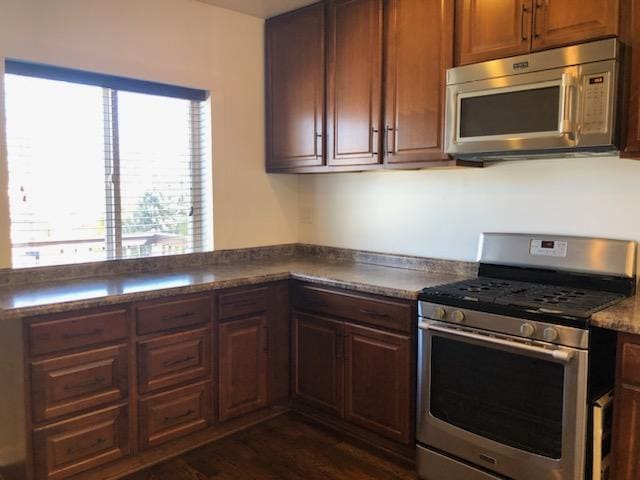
525	111
512	399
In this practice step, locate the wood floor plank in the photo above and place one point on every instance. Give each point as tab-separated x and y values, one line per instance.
285	448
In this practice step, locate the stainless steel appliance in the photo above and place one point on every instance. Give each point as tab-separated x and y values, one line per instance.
508	364
557	102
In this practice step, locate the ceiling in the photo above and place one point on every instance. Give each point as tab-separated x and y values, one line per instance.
260	8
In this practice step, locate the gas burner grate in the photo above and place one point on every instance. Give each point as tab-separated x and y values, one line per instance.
549	299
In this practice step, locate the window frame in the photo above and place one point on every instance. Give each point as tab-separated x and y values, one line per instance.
111	85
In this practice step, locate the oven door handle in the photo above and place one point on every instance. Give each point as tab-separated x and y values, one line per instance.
561	355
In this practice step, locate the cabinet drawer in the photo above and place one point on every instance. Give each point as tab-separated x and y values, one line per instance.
77	331
80	444
173	414
630	358
373	311
174	359
70	384
244	302
177	313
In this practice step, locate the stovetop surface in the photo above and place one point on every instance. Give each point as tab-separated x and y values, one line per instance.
519	298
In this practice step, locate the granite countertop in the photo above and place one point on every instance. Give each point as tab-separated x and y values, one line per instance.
18	301
623	316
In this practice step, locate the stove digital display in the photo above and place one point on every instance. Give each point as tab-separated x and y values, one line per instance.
548	248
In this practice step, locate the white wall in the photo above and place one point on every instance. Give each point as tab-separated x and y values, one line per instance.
440	213
181	42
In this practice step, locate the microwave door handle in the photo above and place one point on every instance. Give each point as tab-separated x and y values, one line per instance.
566	105
561	355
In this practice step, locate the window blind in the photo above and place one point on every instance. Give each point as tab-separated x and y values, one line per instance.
99	173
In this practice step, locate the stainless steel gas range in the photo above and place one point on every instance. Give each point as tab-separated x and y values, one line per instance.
508	363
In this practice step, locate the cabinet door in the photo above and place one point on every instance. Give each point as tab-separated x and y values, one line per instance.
415	66
317	362
626	441
490	29
355	81
562	22
626	411
242	349
295	84
377	378
632	143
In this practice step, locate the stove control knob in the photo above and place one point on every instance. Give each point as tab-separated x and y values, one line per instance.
550	334
439	313
457	316
527	330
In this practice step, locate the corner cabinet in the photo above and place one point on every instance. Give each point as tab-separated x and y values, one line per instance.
383	106
295	85
487	29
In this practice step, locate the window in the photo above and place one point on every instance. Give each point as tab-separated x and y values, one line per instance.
103	168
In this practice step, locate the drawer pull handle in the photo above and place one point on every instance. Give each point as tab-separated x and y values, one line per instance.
98	442
178	417
91	383
168	318
371	313
173	363
92	333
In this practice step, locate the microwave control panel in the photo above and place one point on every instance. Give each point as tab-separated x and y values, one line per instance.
595	110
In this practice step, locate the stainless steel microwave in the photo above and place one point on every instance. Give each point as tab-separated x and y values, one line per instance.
553	103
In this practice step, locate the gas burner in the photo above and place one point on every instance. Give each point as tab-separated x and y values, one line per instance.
521	297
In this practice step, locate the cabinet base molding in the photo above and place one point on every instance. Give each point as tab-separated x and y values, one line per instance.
148	458
405	454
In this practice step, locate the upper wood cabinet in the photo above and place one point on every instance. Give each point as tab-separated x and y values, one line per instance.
355	81
384	85
416	60
562	22
490	29
295	86
632	37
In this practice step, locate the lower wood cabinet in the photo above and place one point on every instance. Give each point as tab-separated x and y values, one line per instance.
361	374
243	365
73	446
174	359
73	383
170	415
112	390
318	361
626	423
377	381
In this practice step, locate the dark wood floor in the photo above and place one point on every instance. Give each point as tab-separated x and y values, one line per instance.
283	448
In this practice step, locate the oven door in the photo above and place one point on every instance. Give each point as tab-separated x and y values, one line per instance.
526	112
513	407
